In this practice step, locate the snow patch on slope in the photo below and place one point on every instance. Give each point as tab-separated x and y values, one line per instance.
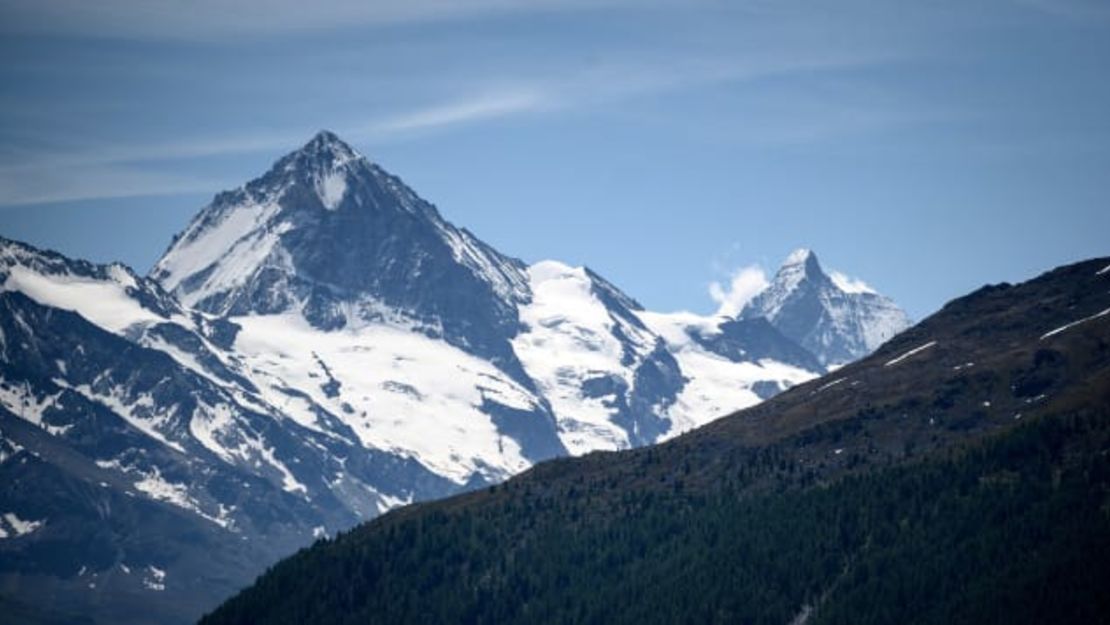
236	242
20	401
1071	325
208	423
8	448
155	578
18	527
141	412
909	353
157	487
332	188
104	303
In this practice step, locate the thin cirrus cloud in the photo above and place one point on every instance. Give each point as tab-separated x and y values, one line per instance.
218	19
627	72
124	171
92	182
481	107
113	170
485	105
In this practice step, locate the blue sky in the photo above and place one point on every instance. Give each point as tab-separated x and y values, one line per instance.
928	148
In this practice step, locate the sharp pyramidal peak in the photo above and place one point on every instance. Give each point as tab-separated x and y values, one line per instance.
332	236
838	319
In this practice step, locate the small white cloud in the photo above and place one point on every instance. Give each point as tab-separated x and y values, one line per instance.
745	283
849	284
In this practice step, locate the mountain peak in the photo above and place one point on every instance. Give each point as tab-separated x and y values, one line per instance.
325	155
799	268
326	137
327	142
800	256
329	234
837	318
802	261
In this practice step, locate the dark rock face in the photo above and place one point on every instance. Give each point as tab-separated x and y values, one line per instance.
767	389
534	430
657	381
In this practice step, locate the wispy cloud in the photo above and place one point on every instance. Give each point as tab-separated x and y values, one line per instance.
480	107
45	185
115	170
218	19
117	153
482	85
849	284
122	170
744	284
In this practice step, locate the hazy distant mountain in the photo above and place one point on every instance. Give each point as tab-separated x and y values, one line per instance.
838	319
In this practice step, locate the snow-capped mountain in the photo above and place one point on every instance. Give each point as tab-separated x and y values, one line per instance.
332	236
836	318
96	335
318	346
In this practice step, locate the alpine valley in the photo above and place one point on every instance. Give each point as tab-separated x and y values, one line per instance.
320	346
